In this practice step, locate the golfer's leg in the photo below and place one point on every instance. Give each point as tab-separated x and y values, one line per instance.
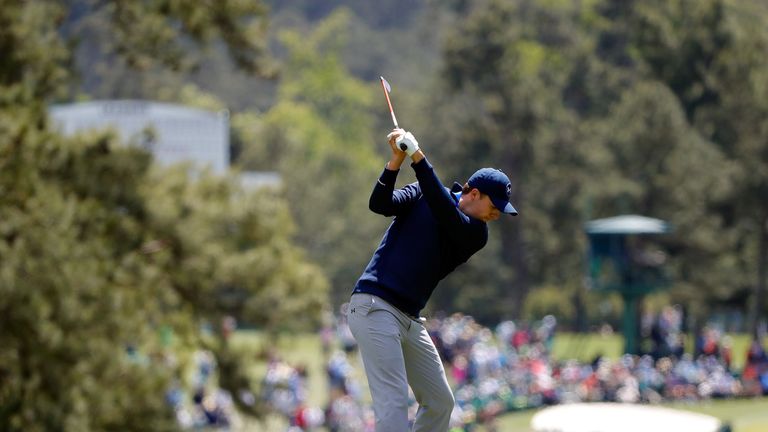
426	376
378	338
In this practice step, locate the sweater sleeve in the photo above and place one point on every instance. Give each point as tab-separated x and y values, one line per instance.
438	197
387	201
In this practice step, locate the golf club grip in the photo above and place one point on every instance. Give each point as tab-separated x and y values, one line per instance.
403	147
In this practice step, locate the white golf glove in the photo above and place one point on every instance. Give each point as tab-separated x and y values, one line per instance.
407	143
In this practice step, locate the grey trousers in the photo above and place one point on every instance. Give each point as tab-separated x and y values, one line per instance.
397	352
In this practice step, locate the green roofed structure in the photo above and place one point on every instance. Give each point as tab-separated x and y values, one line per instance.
627	224
623	258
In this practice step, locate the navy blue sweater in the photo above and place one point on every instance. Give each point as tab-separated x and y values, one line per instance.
428	238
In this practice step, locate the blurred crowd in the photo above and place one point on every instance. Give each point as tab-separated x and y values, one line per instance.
208	405
516	370
284	388
497	370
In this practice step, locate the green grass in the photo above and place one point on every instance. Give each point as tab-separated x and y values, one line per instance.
585	347
749	415
745	415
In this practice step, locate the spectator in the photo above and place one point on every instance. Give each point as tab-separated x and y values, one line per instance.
516	371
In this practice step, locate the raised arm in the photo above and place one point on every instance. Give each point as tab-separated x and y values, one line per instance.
385	200
438	197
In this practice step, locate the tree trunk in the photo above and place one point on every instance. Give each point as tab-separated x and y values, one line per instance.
513	254
762	274
513	241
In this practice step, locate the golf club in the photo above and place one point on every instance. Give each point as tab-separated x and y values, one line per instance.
387	89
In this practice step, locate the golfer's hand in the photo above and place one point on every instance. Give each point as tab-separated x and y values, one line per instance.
398	156
407	143
393	137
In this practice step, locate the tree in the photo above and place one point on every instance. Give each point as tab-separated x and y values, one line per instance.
76	289
319	137
712	55
503	79
127	49
228	251
657	164
99	251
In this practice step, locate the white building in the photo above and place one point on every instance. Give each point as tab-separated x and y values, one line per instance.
172	133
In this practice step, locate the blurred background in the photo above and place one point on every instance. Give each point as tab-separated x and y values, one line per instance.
184	188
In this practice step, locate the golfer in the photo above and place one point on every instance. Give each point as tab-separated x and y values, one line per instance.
433	232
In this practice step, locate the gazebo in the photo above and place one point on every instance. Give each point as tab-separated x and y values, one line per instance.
623	259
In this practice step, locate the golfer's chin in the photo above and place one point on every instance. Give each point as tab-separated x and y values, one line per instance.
489	218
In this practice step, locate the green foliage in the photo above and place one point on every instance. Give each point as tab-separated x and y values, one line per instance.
593	107
144	33
611	107
35	57
712	56
679	41
318	136
102	254
503	85
98	252
76	291
229	251
128	49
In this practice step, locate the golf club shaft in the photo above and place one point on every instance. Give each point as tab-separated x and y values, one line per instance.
384	85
